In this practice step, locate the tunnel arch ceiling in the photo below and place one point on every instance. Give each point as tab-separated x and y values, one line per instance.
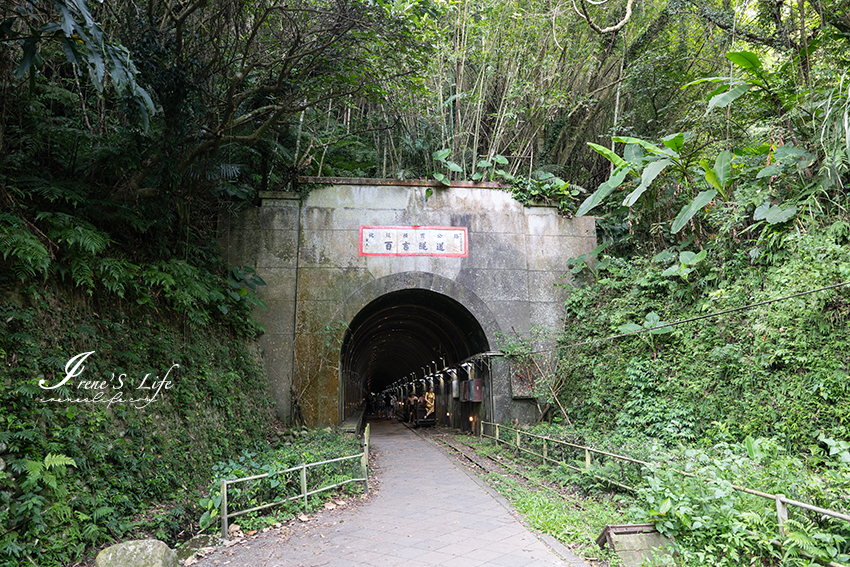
403	331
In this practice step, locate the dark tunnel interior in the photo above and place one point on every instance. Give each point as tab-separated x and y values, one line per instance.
399	334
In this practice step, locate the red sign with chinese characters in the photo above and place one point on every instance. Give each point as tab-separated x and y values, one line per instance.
450	241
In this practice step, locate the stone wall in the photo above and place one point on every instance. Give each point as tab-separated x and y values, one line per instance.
307	251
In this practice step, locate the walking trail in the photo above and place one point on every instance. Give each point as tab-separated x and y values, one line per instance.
426	511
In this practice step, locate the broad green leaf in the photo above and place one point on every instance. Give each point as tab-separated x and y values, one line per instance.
598	250
761	211
441	155
501	160
652	319
763	149
30	47
661	330
67	20
663	256
428	192
789	154
629	328
442	179
770	170
725	99
711	178
633	154
665	506
687	257
745	59
505	174
675	142
649	146
603	191
611	156
720	89
650	172
776	215
751	447
477	176
671	271
71	53
705	80
689	210
454	167
723	167
698	258
205	519
484	163
84	11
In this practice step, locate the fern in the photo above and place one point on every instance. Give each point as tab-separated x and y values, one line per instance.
53	191
82	273
154	277
75	232
115	274
53	460
30	255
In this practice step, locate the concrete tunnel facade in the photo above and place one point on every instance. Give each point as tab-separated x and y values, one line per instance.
372	281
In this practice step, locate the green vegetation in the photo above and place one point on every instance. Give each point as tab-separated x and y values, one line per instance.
709	137
576	521
310	447
78	475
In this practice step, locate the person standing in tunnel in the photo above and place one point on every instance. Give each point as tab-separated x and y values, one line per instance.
410	404
429	402
387	405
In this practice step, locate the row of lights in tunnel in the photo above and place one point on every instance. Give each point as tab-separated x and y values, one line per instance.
428	376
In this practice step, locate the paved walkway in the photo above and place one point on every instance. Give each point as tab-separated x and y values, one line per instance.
426	511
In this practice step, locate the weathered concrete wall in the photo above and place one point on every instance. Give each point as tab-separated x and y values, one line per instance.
308	253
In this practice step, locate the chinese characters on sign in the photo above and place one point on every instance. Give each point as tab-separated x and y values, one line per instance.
413	241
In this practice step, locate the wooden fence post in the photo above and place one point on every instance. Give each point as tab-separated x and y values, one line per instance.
497	434
304	484
781	513
587	459
544	451
364	460
517	441
224	509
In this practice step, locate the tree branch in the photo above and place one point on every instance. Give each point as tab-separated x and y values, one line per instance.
611	29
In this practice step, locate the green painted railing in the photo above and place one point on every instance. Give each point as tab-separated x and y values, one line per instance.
226	516
782	502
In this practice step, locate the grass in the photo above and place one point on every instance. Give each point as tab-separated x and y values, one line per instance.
575	519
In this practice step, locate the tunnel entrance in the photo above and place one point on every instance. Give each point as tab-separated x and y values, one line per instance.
408	335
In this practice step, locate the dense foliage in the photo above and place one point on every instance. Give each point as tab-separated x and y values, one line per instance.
777	369
710	138
311	447
79	475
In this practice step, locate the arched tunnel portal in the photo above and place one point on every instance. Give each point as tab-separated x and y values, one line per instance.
410	335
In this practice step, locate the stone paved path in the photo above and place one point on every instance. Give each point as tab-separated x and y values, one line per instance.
427	511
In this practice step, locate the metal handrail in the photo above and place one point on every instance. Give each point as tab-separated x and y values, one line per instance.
781	500
364	463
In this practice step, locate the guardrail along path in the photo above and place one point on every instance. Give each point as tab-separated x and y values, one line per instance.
425	511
